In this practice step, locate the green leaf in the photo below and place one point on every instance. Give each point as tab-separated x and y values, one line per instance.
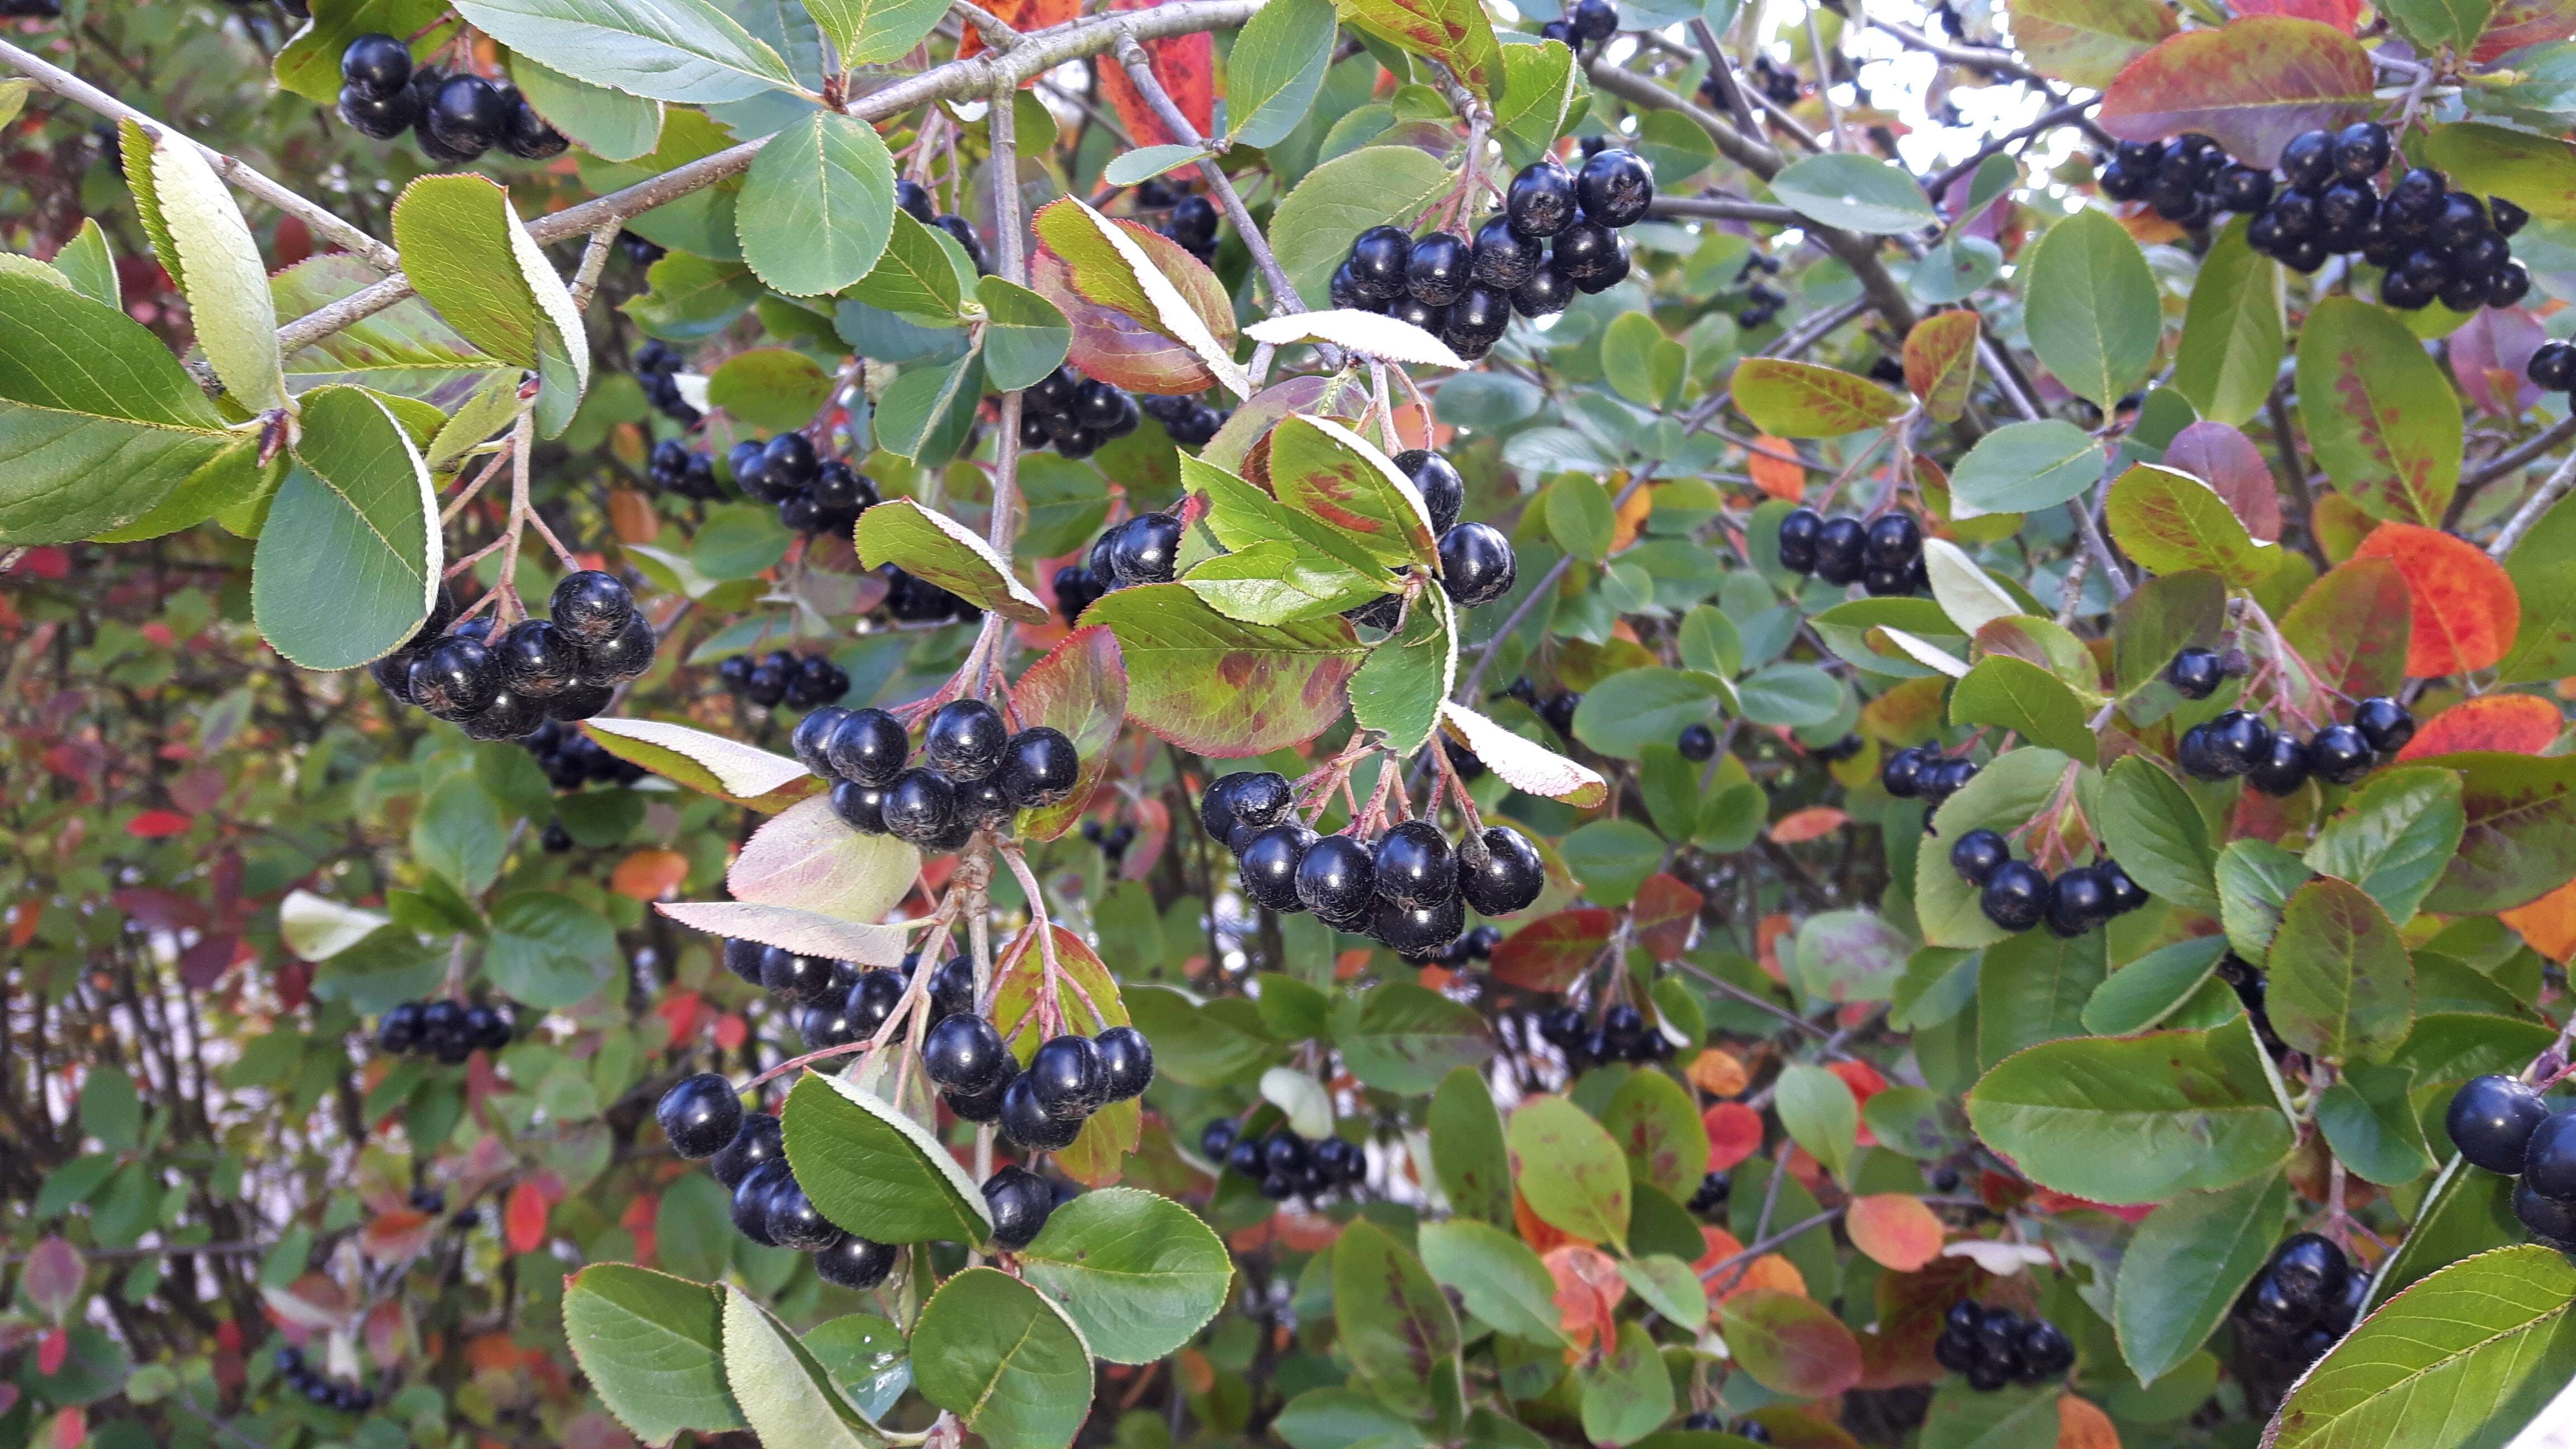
468	255
99	424
1025	336
2092	308
2536	171
689	51
2381	417
1657	1125
1855	192
309	65
2393	837
2087	42
1005	1359
1208	683
1138	1274
1400	1334
2164	616
2033	988
1669	1287
1804	400
1820	1113
2341	984
2255	881
691	298
2232	330
818	205
2173	523
1612	858
2004	794
549	951
349	559
1634	708
1275	70
2157	834
930	545
2467	1356
1534	107
1569	1170
925	414
89	264
1313	227
874	32
2519	842
1641	363
2014	1417
1790	696
652	1347
1403	1038
1579	517
1468	1154
2017	695
2024	467
2467	1210
1281	583
458	835
219	268
1207	1045
709	764
2135	1119
916	275
609	124
2147	990
2370	1125
785	1394
874	1171
1322	469
1495	1275
1627	1394
2543	570
1339	1418
1147	162
2184	1266
770	387
1138	276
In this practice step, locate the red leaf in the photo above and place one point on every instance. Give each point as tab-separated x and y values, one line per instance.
1548	953
1664	911
1023	16
52	1350
2229	463
2252	83
1588	1290
2352	626
2519	724
52	1278
1895	1229
2489	355
525	1218
156	824
2466	609
2343	15
1185	64
1789	1344
1734	1134
2517	23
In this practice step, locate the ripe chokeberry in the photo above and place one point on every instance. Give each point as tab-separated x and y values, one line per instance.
2339	753
1027	1122
920	806
1444	492
2491	1119
1020	1202
1415	866
2385	723
2195	673
1067	1077
758	1140
1542	199
867	747
1126	1063
1379	258
2549	1158
1615	186
854	1263
965	1054
591	606
1476	564
699	1115
2015	896
1510	877
1977	854
1437	269
1040	767
1504	258
2283	769
1269	865
1337	880
1696	742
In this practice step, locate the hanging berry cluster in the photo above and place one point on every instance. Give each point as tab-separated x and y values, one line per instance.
320	1389
2278	763
566	667
657	370
571	759
1191	422
975	774
1921	772
2306	1297
813	494
443	1030
1993	1347
1074	414
2017	895
455	117
2500	1123
1624	1034
1883	556
1284	1164
799	681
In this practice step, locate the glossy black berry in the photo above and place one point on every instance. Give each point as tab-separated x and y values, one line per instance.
1711	1194
1258	798
1415	865
1126	1063
805	980
2046	1351
2385	723
1146	550
1510	878
1418	932
2491	1120
2242	189
2240	741
2078	900
1893	540
454	678
758	1140
867	747
1341	1160
966	1054
2195	673
2310	1271
1270	862
699	1115
1615	186
468	114
1378	261
1840	551
377	64
1503	258
1026	1122
1594	21
2339	754
2015	896
1444	492
2549	1220
1548	292
794	1222
2283	768
2549	1158
1068	1078
854	1263
1020	1201
964	739
1437	269
1542	199
591	606
1799	531
920	805
2309	158
2510	284
1040	767
1337	879
1697	743
1977	854
861	807
2361	150
1476	564
812	735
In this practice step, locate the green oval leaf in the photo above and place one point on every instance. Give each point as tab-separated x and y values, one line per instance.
349	559
818	205
1138	1274
874	1171
1005	1359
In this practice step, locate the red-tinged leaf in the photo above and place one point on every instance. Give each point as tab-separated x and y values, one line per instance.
1456	33
2490	354
2518	724
1112	346
2252	83
2353	626
156	824
1097	272
1663	913
1804	400
2233	467
1897	1349
52	1277
1223	687
649	875
2516	23
1895	1229
391	1237
1023	16
1186	66
1790	1345
1081	689
2086	42
2520	843
1548	953
51	1352
2343	15
2382	419
1941	361
1734	1134
1813	823
524	1218
2466	608
1588	1290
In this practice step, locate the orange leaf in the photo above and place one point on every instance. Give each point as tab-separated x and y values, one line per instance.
1630	520
1895	1229
1777	476
1588	1290
1769	1271
2082	1426
1186	66
1718	1073
1535	1230
632	518
1734	1134
1023	16
2466	610
1809	824
2519	724
525	1218
649	875
2547	925
1722	1245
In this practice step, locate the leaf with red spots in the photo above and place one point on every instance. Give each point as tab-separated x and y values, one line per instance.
2252	83
1081	689
1393	1321
2520	841
1804	400
1223	688
1548	953
1663	913
1940	366
2514	24
1186	67
2381	418
2353	627
1789	1344
2466	608
1455	33
1654	1123
2517	724
1338	478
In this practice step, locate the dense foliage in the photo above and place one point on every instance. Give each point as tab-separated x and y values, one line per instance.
1312	722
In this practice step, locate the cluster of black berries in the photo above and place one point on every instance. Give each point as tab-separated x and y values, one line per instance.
1920	772
914	199
799	681
2306	1297
1711	1194
1558	234
456	117
657	370
813	494
703	1118
910	599
675	468
1145	549
1883	556
31	9
1996	1346
572	759
317	1387
1557	709
975	774
566	667
1409	891
449	1031
1778	82
1477	945
1477	565
1745	1429
1624	1034
1192	222
1042	1108
2276	762
1191	422
2018	895
1112	840
2501	1124
1074	414
1588	24
1283	1163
